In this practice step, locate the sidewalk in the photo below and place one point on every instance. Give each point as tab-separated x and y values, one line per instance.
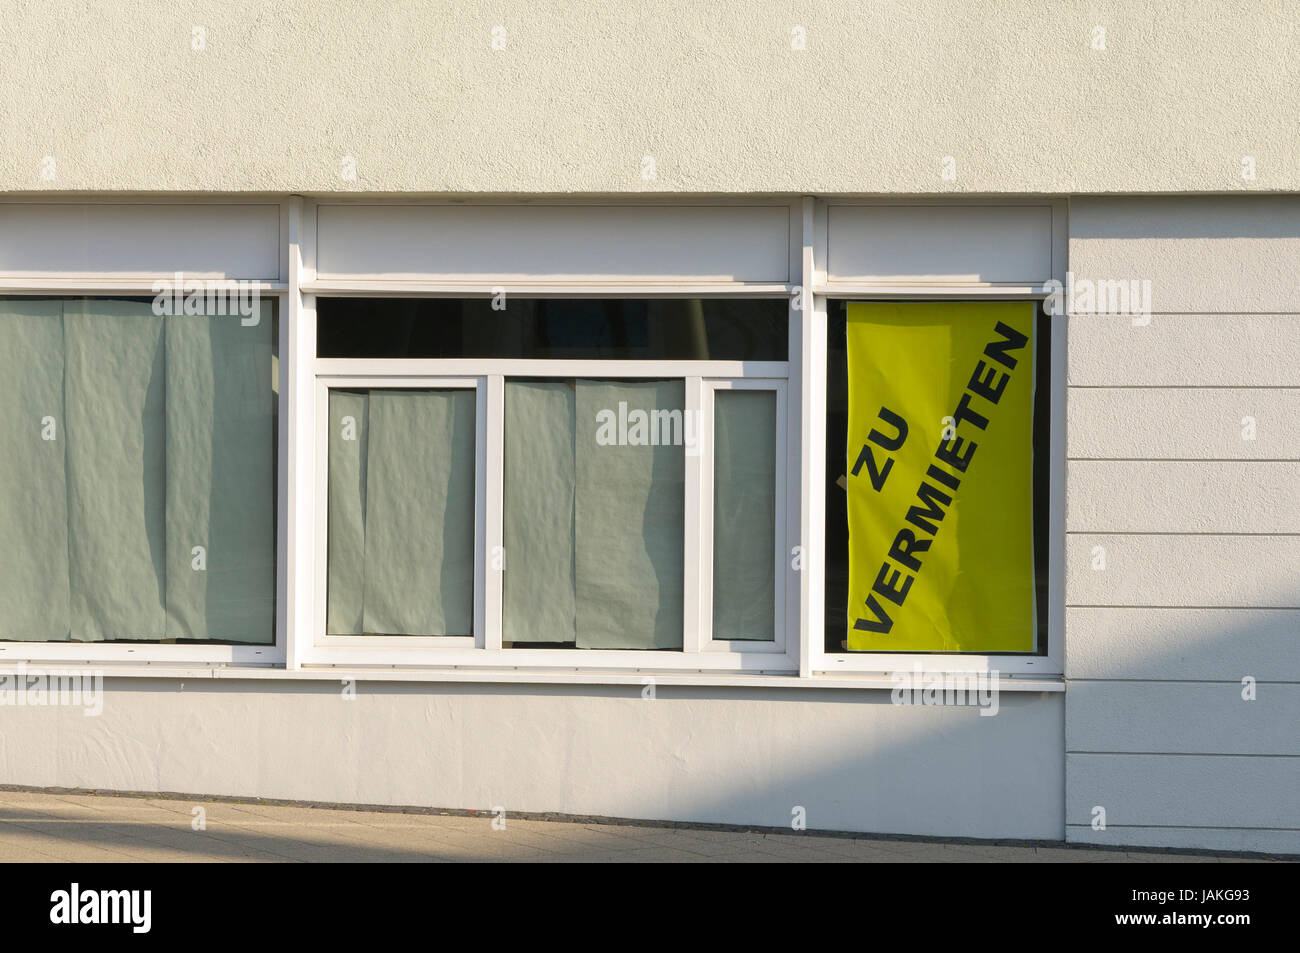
50	827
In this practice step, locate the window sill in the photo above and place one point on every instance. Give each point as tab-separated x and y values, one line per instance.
868	681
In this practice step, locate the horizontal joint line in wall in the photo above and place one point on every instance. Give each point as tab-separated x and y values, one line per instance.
1184	754
1135	605
1177	681
1189	827
1149	532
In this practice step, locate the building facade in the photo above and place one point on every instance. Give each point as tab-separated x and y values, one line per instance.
873	421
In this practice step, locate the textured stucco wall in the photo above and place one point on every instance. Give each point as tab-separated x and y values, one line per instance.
1013	90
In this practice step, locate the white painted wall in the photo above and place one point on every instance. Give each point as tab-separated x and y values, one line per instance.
1201	528
545	242
852	759
124	240
924	243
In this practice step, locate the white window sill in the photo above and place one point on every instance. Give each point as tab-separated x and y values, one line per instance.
875	680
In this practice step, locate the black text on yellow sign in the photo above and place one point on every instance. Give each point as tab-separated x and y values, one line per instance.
940	476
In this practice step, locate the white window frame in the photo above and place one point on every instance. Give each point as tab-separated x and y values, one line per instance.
324	384
698	653
294	286
818	661
132	219
784	588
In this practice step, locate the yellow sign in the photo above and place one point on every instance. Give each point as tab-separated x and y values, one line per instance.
940	477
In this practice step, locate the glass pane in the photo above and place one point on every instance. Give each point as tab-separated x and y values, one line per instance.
744	514
538	589
401	512
745	329
594	513
138	479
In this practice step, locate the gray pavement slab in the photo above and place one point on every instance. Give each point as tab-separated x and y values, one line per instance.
38	827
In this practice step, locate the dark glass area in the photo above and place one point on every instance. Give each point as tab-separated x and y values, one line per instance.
659	329
836	609
837	516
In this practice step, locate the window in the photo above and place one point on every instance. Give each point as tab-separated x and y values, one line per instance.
645	329
584	475
138	473
748	487
594	513
401	512
527	437
937	477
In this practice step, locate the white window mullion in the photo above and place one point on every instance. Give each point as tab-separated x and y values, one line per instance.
319	477
810	435
298	438
491	510
698	548
786	591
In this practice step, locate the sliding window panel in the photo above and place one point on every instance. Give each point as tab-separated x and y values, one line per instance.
744	515
539	598
34	599
629	516
402	513
420	513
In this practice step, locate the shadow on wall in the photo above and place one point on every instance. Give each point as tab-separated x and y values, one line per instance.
843	760
1160	734
851	760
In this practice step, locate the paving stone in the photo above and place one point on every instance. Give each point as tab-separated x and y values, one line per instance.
52	827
